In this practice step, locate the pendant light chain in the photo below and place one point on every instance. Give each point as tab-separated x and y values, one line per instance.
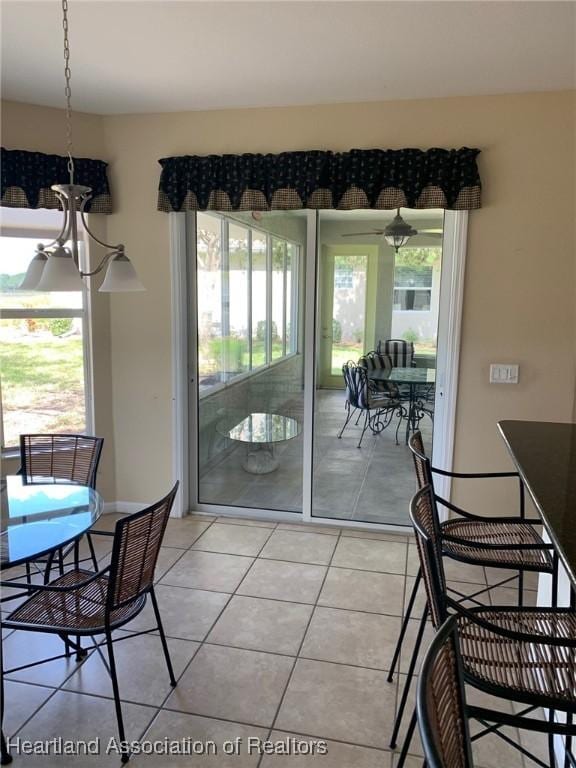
68	90
57	267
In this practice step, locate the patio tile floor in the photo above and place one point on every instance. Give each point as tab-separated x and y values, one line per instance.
373	483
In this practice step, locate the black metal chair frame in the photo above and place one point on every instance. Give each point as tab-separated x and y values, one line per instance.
137	600
378	409
492	720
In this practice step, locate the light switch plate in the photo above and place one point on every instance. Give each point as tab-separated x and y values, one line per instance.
503	373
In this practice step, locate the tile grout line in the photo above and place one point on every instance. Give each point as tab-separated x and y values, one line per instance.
300	646
201	643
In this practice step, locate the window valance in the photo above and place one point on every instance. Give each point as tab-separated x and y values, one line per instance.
360	178
28	176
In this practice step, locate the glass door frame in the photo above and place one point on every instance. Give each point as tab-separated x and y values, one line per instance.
184	362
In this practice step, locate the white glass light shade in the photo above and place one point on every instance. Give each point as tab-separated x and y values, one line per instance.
121	276
396	241
398	232
34	272
60	273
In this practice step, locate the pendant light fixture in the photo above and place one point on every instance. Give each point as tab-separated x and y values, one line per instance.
56	267
398	232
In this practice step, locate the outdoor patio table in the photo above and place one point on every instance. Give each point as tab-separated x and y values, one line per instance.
415	379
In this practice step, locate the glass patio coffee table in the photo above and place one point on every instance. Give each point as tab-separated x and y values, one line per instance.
261	432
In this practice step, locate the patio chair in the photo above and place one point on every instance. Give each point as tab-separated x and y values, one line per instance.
74	458
401	352
375	361
521	655
377	407
84	604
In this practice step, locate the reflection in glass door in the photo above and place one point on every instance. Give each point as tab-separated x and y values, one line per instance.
250	349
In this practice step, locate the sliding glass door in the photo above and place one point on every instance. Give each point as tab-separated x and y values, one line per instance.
367	295
280	302
250	319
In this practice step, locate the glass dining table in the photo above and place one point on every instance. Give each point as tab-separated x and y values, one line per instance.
38	515
419	384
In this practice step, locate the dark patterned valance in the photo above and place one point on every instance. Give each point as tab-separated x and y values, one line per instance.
361	178
28	176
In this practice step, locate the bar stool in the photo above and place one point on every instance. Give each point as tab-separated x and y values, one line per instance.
441	703
510	543
524	655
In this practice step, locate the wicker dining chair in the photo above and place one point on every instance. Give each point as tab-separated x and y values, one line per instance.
61	457
441	703
510	543
54	457
84	604
524	655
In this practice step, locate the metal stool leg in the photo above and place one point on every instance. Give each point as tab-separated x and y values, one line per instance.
407	741
404	625
406	691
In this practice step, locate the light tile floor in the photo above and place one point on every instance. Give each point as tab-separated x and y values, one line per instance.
373	483
275	632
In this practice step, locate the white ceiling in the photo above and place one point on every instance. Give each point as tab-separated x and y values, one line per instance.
149	56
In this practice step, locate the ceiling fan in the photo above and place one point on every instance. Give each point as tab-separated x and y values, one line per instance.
398	232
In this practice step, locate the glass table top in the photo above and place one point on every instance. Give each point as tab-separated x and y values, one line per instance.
404	375
262	428
40	514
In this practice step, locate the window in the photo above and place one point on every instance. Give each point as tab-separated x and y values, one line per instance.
413	288
343	275
43	339
247	286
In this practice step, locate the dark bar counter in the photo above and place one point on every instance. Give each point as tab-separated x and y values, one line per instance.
545	455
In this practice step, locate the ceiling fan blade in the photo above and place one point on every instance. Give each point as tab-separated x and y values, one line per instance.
355	234
433	235
431	231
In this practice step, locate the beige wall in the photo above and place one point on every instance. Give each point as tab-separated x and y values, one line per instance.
42	129
519	291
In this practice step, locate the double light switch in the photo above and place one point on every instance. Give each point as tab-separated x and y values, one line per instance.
503	373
